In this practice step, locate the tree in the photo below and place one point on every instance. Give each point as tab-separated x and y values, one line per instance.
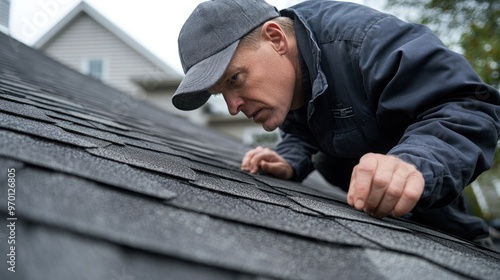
471	27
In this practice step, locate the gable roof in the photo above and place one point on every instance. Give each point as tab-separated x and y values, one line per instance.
110	187
85	8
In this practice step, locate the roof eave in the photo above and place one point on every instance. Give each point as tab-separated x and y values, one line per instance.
83	7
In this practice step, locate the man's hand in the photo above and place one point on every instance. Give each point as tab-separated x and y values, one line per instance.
268	161
384	185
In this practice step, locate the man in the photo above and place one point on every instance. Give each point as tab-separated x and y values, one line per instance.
379	106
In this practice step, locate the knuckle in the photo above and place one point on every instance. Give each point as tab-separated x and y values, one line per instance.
367	156
381	181
365	167
416	175
406	168
393	192
254	160
411	194
361	191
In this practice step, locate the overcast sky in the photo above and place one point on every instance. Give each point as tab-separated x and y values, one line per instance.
153	23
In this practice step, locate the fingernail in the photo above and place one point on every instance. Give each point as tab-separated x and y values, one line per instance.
359	204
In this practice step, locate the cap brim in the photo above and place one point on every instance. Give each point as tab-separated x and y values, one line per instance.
192	92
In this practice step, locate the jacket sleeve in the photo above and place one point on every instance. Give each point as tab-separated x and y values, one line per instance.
297	151
411	79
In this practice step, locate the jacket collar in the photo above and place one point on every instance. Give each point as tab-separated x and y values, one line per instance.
309	51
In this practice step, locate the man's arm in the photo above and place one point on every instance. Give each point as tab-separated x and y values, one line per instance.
452	117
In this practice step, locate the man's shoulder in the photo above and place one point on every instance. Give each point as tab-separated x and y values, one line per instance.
335	20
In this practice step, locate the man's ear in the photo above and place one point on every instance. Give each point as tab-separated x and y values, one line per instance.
272	32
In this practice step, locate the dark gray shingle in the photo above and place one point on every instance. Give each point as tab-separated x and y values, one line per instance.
110	187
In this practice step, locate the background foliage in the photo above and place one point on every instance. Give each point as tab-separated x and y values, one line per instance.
471	27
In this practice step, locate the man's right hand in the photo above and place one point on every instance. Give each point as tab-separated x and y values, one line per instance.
268	161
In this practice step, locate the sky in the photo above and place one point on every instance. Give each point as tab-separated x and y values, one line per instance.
153	23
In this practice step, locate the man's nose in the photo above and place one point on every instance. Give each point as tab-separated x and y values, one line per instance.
233	104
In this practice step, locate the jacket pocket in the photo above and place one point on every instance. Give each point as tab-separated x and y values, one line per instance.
349	140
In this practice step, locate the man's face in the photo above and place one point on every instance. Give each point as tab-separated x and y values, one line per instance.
260	83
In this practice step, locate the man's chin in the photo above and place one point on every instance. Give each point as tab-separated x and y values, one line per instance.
269	127
272	123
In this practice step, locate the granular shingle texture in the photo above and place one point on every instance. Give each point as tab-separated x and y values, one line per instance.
111	187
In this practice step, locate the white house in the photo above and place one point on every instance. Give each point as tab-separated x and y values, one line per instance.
88	42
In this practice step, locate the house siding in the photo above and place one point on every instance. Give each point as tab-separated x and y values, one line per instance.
85	38
4	13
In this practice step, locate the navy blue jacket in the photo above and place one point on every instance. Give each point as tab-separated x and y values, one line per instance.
379	84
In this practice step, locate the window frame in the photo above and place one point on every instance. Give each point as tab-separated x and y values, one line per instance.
86	67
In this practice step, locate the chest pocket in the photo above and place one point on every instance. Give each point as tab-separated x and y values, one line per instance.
348	139
355	133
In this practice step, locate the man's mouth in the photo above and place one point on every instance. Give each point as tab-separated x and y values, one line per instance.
251	116
254	116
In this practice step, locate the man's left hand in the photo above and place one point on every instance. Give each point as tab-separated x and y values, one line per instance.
384	185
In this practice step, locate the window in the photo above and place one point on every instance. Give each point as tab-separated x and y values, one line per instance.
94	68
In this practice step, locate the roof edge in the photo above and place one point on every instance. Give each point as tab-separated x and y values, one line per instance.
84	7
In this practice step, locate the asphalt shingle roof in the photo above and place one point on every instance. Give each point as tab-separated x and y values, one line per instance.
111	187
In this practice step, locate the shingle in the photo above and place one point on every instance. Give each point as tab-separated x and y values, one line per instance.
24	100
88	209
41	129
68	118
73	252
101	120
292	186
219	169
112	183
96	133
414	268
80	163
231	187
43	97
476	265
332	209
159	162
23	110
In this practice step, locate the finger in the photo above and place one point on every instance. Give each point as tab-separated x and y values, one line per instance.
245	163
359	189
351	190
393	192
411	194
380	183
265	154
249	154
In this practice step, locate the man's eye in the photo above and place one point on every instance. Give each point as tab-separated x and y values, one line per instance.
234	78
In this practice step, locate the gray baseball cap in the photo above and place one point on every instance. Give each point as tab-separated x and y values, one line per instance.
207	42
